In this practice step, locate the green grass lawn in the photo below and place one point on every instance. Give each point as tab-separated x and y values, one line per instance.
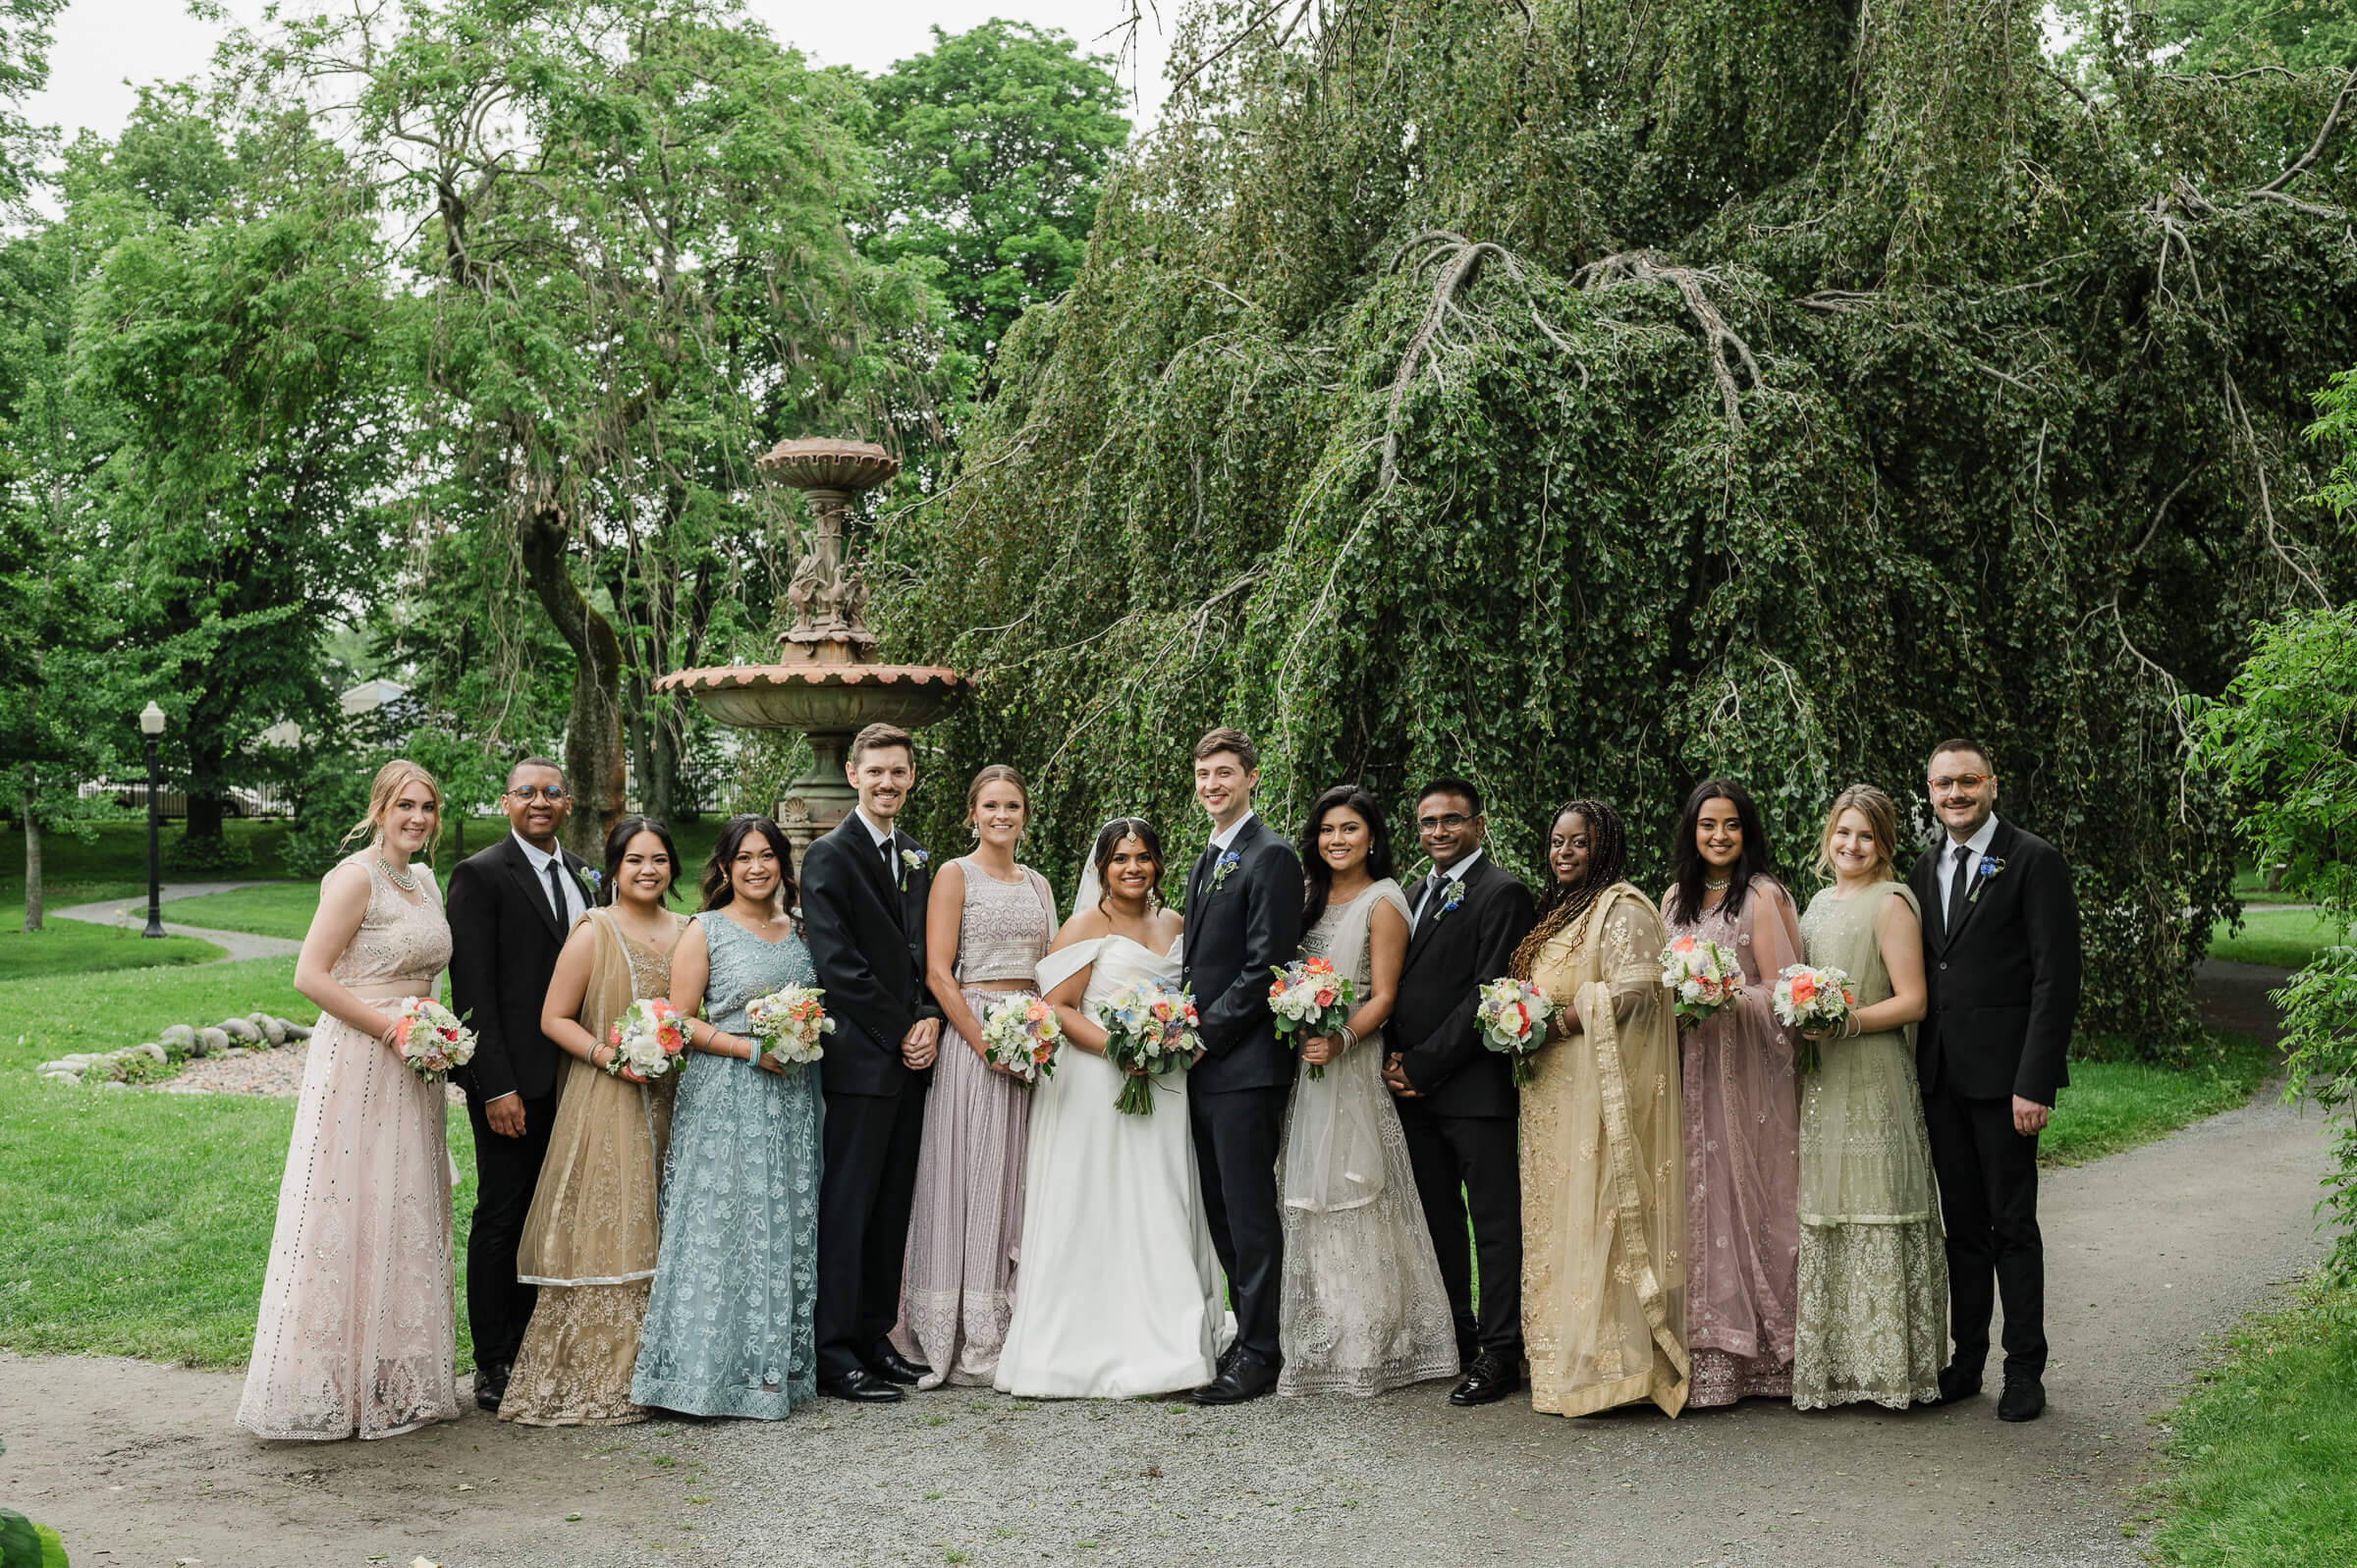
136	1224
67	948
2288	939
279	910
2112	1105
2263	1458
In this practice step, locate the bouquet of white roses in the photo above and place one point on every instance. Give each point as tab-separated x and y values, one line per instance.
1809	999
1513	1017
430	1039
1309	1000
790	1024
1149	1028
1020	1034
649	1039
1702	976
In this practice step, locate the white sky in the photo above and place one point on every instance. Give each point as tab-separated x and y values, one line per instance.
101	45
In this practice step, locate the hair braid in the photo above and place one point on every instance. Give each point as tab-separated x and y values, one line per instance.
1565	902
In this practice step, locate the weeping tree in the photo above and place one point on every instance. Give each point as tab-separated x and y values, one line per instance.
1587	397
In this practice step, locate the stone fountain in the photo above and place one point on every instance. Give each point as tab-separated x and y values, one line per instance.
829	684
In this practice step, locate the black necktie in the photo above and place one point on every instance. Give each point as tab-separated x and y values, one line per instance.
1432	890
1957	884
556	893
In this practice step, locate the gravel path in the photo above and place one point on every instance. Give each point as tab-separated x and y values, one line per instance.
235	944
2149	1252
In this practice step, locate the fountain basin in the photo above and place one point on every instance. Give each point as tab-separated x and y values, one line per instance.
819	698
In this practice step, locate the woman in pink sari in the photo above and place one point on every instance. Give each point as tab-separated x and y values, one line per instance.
1742	1108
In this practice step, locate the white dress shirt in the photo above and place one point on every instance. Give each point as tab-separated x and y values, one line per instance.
881	837
1456	873
1979	845
1227	836
575	903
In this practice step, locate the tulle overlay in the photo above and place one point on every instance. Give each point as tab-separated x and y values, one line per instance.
1873	1321
356	1334
1742	1136
728	1329
1603	1218
1361	1308
590	1240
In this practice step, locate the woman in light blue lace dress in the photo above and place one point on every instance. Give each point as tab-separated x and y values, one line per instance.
728	1324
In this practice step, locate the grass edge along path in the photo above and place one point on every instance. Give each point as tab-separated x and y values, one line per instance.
2260	1464
2114	1105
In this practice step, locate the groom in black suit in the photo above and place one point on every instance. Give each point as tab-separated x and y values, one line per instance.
864	914
2000	951
510	908
1456	1098
1243	919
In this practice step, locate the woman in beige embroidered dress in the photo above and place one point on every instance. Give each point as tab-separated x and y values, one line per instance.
590	1240
357	1331
1603	1218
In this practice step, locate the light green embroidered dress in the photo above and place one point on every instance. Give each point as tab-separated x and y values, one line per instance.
1873	1320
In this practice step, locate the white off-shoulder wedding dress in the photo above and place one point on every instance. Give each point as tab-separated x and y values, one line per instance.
1117	1289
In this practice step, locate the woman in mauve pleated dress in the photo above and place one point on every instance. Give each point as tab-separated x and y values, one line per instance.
987	925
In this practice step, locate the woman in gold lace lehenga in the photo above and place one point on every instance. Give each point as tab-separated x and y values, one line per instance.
590	1240
1603	1218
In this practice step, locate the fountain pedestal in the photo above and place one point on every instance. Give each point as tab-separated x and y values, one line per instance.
829	685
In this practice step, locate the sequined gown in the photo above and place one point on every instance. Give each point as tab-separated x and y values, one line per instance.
590	1240
958	1279
1742	1124
357	1331
728	1329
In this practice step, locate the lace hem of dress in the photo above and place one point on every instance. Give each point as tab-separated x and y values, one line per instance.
1722	1377
971	1323
1872	1323
1365	1382
405	1395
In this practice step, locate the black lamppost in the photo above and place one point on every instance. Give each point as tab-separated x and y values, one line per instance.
151	724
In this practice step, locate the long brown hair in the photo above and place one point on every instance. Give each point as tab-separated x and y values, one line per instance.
384	790
720	889
1567	901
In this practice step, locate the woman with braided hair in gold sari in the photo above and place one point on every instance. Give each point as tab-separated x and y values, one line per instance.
1603	1218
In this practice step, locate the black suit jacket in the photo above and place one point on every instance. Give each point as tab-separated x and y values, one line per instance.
2005	982
1448	956
1237	932
504	942
867	941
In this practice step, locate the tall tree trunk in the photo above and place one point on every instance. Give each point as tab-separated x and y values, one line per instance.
594	754
33	864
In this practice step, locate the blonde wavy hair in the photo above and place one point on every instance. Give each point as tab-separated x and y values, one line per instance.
391	779
1882	816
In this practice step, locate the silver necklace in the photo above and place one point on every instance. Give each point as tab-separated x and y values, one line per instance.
406	881
1721	884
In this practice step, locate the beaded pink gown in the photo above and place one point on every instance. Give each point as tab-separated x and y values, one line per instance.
356	1334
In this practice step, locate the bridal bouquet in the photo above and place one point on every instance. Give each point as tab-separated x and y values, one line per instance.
1513	1017
649	1039
788	1023
430	1039
1020	1034
1702	976
1811	998
1149	1028
1309	1000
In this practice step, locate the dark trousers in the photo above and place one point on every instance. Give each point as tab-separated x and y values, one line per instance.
866	1190
1238	1134
506	1170
1469	1176
1988	1202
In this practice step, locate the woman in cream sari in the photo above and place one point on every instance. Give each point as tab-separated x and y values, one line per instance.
1604	1216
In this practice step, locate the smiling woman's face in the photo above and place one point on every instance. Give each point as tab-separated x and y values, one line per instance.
1569	846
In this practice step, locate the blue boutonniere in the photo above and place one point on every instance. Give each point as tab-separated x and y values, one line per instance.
912	860
1989	867
1453	895
1221	868
593	879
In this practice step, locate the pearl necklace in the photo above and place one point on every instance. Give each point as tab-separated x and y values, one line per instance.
1721	885
406	881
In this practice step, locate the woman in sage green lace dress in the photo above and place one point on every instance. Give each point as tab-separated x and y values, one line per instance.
1873	1317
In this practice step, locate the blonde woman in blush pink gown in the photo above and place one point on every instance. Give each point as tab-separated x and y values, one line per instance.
356	1334
1742	1108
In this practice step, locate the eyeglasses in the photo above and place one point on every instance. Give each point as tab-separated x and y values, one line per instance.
1450	824
1962	780
550	792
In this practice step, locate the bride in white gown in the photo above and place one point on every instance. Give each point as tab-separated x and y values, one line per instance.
1117	1290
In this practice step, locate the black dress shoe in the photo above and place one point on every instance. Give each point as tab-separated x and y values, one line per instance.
860	1387
893	1366
1242	1378
491	1385
2025	1398
1956	1383
1490	1379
